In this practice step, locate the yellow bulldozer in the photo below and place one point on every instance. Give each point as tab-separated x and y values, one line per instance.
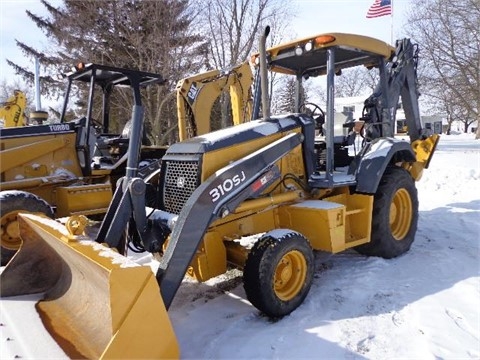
288	177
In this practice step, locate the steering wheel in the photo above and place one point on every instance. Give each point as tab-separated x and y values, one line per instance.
317	113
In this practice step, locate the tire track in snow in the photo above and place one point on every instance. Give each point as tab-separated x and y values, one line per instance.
459	320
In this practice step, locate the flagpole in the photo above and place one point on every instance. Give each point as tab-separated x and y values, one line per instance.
391	23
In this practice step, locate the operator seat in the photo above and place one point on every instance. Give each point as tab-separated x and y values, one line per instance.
124	136
110	150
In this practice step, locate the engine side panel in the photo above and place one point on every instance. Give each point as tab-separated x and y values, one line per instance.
187	164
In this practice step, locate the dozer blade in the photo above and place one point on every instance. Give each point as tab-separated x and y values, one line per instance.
102	305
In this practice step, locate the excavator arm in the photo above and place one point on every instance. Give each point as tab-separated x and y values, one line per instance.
13	109
400	82
197	94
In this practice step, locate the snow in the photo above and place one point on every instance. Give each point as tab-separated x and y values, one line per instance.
315	204
115	257
422	305
263	128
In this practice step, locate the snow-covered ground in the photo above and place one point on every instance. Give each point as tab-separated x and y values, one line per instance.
423	305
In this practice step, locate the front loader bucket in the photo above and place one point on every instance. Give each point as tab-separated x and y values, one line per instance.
102	305
33	269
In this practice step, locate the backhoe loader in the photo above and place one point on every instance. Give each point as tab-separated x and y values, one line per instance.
197	94
71	167
287	177
12	110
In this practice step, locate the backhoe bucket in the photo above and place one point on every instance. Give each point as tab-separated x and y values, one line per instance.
100	304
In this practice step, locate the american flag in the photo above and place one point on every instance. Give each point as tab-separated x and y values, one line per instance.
380	8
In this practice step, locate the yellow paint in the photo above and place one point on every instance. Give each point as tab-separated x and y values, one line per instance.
104	304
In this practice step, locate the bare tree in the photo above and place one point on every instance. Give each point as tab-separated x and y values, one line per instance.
449	38
356	81
232	28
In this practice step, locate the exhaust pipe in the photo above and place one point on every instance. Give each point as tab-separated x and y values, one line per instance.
38	116
264	73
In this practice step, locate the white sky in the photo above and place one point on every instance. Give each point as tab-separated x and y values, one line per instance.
319	16
314	17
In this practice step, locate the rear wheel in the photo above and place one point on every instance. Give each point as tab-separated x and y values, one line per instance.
278	272
395	215
11	203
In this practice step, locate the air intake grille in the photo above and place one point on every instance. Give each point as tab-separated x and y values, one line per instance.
181	180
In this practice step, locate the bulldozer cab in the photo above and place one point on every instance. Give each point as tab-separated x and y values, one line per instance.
101	145
322	58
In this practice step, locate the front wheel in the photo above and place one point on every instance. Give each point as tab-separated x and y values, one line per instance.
395	215
278	272
12	203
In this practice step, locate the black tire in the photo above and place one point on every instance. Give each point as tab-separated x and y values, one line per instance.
11	203
395	215
274	254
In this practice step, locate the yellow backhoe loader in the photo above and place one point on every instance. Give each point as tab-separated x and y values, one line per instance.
197	94
289	178
70	168
12	111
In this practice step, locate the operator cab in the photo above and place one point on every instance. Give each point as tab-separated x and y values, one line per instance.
101	142
324	57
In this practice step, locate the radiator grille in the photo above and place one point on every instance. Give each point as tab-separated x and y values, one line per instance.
181	180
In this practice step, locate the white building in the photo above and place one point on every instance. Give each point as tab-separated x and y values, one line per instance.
353	107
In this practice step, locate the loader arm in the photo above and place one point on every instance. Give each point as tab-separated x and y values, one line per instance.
129	197
254	172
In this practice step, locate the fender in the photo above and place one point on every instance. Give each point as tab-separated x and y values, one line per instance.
371	164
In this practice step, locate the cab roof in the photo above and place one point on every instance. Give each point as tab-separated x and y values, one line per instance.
113	76
308	56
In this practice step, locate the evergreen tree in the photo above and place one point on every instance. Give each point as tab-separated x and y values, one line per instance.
152	36
284	101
